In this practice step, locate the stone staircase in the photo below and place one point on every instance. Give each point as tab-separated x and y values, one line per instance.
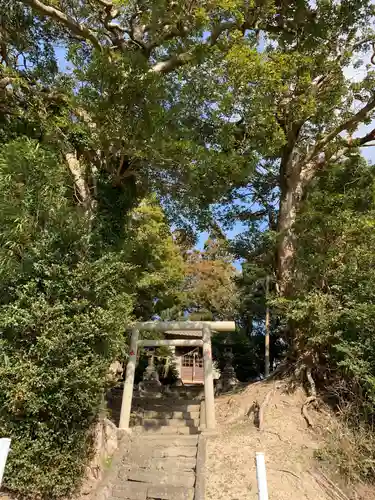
165	416
164	451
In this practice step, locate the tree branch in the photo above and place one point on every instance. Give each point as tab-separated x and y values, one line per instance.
105	3
75	168
65	20
172	63
362	141
251	23
252	216
169	33
364	41
219	29
310	168
354	120
115	32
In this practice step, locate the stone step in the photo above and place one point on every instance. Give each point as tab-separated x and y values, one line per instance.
186	479
141	491
175	451
167	404
162	409
170	493
174	422
191	392
155	440
165	430
189	387
171	414
157	458
130	491
171	464
166	409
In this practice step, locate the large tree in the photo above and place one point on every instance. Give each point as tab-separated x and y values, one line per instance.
300	108
207	104
147	112
277	94
80	259
129	128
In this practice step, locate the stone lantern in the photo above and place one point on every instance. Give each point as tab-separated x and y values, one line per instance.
228	378
150	385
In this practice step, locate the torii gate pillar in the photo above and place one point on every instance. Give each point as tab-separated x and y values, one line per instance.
208	379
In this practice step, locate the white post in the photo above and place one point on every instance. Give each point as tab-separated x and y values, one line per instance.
208	379
4	450
127	394
261	476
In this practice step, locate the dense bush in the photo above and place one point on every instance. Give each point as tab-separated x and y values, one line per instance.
61	323
65	301
333	311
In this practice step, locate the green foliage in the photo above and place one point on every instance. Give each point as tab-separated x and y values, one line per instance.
208	289
155	258
209	110
63	312
333	311
61	323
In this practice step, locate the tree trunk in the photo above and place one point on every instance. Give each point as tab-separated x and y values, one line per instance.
292	188
267	332
78	174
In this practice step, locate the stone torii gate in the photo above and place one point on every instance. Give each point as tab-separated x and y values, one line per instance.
163	326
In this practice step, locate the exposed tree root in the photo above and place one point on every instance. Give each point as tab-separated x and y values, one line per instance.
254	409
311	382
288	472
334	486
329	486
305	413
262	408
275	434
280	371
310	399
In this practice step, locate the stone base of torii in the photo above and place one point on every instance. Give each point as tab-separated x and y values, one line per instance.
162	326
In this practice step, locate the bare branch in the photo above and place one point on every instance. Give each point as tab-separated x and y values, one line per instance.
310	168
169	33
172	63
251	23
219	29
361	115
251	216
362	141
364	41
76	28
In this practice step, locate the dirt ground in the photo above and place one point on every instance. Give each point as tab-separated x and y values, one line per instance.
288	445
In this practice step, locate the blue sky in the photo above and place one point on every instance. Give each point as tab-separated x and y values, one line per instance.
237	229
